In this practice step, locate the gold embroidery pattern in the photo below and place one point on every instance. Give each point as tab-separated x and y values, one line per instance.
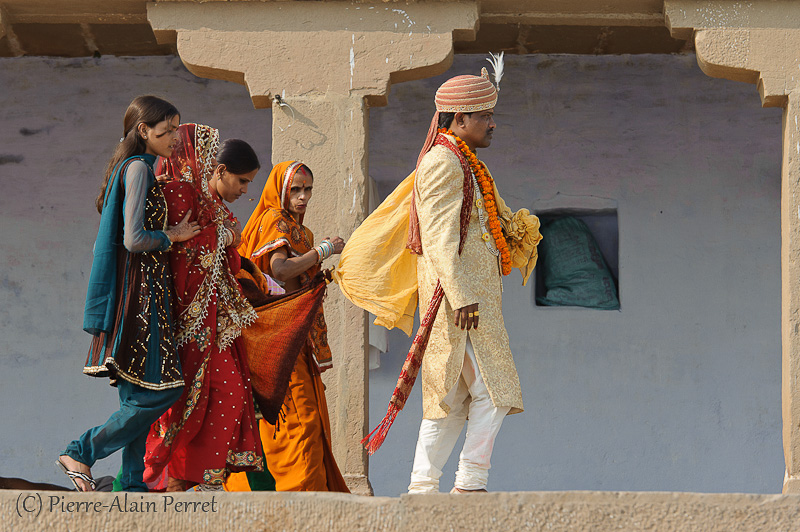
191	402
247	458
216	477
233	311
203	338
441	367
207	260
152	305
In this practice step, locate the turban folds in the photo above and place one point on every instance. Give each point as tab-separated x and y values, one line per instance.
461	94
466	94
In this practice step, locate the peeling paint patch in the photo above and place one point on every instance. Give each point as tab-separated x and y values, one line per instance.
11	159
11	286
352	61
25	132
406	19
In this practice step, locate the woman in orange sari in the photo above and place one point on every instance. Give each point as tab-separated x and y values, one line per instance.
211	430
297	448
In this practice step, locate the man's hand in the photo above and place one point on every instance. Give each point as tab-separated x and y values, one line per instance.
467	317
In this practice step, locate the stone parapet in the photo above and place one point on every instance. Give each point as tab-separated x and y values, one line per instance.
553	511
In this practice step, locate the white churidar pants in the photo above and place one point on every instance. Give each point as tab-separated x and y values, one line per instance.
437	437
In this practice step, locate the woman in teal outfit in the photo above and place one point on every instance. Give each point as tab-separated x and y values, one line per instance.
128	301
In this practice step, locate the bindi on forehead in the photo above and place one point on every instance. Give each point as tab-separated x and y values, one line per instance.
302	179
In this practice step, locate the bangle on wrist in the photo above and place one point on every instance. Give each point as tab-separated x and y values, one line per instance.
228	238
324	250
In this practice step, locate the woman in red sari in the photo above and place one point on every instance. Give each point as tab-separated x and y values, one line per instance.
211	430
298	448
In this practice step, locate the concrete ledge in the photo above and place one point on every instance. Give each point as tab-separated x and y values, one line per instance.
556	511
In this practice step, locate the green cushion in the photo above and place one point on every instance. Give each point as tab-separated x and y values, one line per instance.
574	271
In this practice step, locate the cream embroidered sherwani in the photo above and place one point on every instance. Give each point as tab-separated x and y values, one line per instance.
472	277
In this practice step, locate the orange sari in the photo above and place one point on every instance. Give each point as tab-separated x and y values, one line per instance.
298	447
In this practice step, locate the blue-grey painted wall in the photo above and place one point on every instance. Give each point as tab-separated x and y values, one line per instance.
680	390
60	121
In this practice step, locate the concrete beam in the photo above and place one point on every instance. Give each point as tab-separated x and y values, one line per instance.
769	57
273	47
82	18
790	293
572	19
572	12
77	11
575	7
684	16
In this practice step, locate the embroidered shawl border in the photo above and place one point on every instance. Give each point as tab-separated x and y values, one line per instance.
273	245
468	188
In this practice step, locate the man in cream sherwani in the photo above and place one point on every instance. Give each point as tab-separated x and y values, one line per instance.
468	372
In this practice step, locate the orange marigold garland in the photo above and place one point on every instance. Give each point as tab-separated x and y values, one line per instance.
486	185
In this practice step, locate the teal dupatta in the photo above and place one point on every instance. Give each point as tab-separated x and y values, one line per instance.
101	296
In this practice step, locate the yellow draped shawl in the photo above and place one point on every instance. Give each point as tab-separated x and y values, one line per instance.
377	273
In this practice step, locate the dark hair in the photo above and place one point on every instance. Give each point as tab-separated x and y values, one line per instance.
147	110
237	156
446	119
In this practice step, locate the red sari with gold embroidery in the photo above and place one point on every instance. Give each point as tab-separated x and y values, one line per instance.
211	431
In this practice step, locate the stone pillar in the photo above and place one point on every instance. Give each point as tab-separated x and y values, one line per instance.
759	43
790	290
336	151
328	62
7	33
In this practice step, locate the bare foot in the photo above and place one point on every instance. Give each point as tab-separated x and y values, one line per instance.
459	490
177	484
78	467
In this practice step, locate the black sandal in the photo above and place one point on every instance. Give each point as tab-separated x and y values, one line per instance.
75	474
